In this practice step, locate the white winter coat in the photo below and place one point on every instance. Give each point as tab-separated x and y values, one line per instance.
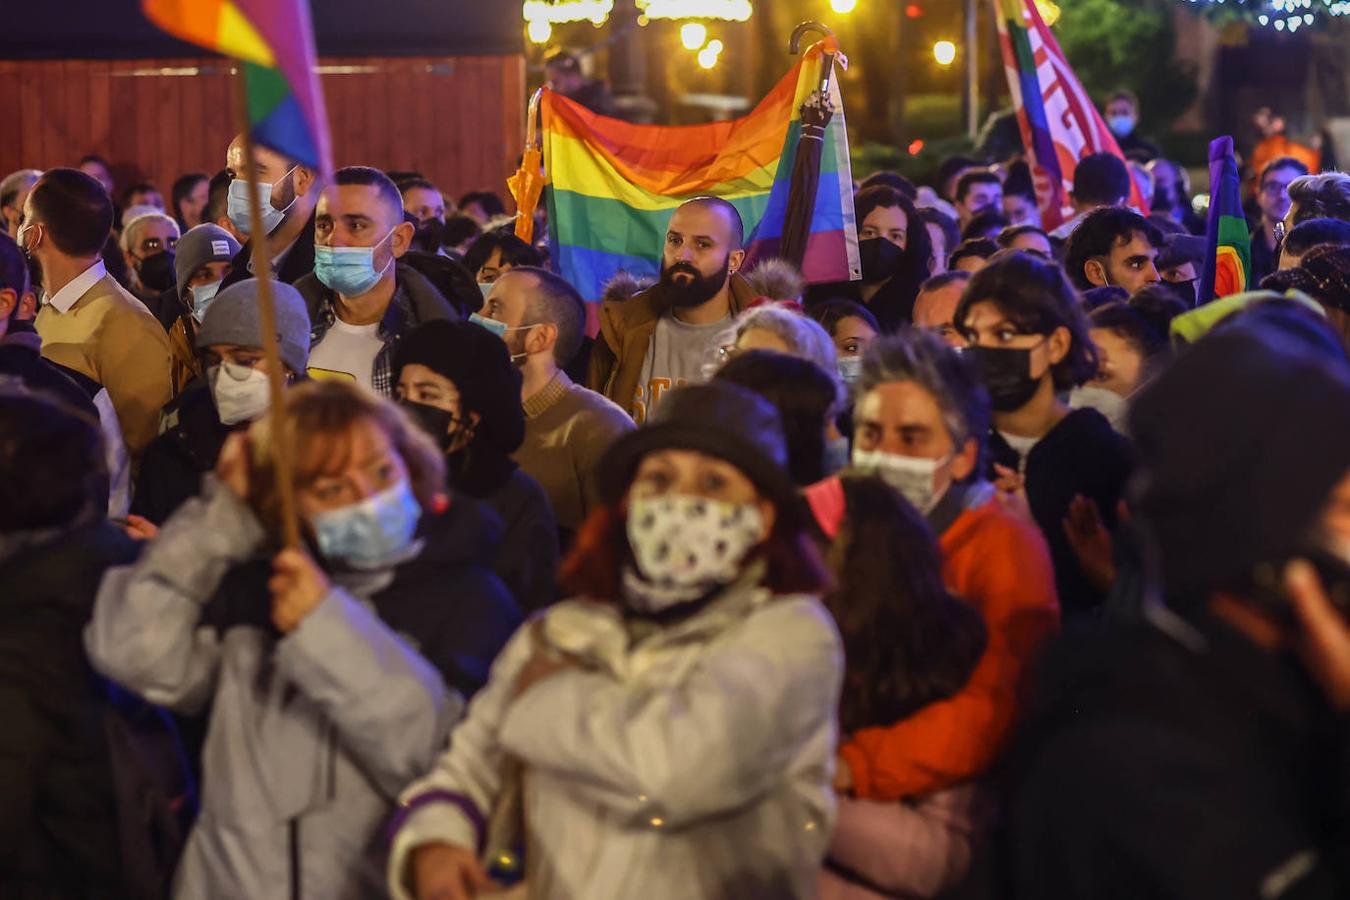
311	735
691	761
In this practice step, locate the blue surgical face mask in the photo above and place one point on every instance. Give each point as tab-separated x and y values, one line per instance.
1120	125
350	270
236	205
850	368
372	534
492	325
202	295
836	455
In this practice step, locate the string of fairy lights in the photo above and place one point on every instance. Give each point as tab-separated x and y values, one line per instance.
1286	16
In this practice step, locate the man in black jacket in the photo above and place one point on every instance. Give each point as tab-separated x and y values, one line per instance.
361	299
288	193
1205	751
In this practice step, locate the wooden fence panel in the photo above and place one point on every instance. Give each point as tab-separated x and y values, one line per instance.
457	120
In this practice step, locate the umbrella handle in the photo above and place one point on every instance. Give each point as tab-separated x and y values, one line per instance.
827	59
532	119
795	42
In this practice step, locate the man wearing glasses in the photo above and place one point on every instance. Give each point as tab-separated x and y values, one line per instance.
1272	196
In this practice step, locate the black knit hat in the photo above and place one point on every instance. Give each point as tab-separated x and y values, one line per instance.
1240	444
477	361
720	419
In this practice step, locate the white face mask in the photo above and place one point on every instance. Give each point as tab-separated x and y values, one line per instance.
914	477
685	547
242	394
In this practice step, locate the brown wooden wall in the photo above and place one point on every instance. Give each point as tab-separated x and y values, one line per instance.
457	120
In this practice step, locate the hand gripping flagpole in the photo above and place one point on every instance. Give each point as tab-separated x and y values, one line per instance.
262	270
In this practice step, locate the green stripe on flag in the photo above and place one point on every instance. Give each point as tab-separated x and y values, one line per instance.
267	87
1233	233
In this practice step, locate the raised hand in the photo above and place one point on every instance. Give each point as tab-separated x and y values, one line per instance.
447	872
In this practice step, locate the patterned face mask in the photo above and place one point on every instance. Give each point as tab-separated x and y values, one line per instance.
685	547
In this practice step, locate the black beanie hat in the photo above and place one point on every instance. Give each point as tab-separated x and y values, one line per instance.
477	361
719	418
1240	443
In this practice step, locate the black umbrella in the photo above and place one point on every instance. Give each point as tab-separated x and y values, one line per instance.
816	112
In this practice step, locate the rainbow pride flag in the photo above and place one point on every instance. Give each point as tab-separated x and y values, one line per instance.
1058	121
1228	260
274	41
611	186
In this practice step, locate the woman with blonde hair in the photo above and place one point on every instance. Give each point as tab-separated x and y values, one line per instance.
332	671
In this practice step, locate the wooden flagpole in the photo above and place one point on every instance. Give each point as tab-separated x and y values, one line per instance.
262	270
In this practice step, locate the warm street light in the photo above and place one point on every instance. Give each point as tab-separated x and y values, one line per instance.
693	34
539	31
843	6
944	52
715	45
707	57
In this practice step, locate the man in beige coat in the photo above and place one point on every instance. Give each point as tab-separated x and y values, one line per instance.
88	322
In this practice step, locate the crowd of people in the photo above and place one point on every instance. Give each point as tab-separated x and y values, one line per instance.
1014	569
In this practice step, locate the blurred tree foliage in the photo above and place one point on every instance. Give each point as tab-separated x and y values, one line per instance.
1113	44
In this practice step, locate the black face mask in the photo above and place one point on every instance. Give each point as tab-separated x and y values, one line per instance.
156	272
1007	375
696	292
1185	291
880	259
428	237
433	420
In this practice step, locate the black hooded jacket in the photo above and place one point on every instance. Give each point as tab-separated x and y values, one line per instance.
1084	455
175	462
58	811
1177	759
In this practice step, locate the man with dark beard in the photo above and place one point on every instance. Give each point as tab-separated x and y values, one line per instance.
661	338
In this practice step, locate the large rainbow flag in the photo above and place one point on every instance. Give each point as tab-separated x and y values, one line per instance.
1228	261
1059	123
274	41
611	186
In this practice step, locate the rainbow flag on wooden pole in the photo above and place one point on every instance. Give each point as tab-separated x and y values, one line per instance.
274	43
611	186
280	106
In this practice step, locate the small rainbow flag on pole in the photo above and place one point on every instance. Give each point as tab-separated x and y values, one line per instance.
611	186
1228	260
274	42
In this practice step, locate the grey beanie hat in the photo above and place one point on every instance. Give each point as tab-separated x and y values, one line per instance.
207	243
233	318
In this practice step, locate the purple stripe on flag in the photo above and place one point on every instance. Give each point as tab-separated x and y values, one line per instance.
826	256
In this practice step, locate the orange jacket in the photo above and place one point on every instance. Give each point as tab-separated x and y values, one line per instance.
999	563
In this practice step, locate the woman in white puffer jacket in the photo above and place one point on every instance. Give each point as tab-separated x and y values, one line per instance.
671	733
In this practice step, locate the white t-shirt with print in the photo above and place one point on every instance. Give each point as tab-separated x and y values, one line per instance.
347	353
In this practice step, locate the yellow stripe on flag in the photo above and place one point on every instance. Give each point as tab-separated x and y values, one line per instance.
573	166
238	38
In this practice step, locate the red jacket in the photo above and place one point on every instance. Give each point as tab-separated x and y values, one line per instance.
1000	563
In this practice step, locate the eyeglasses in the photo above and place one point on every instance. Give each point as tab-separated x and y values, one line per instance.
152	245
1275	188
